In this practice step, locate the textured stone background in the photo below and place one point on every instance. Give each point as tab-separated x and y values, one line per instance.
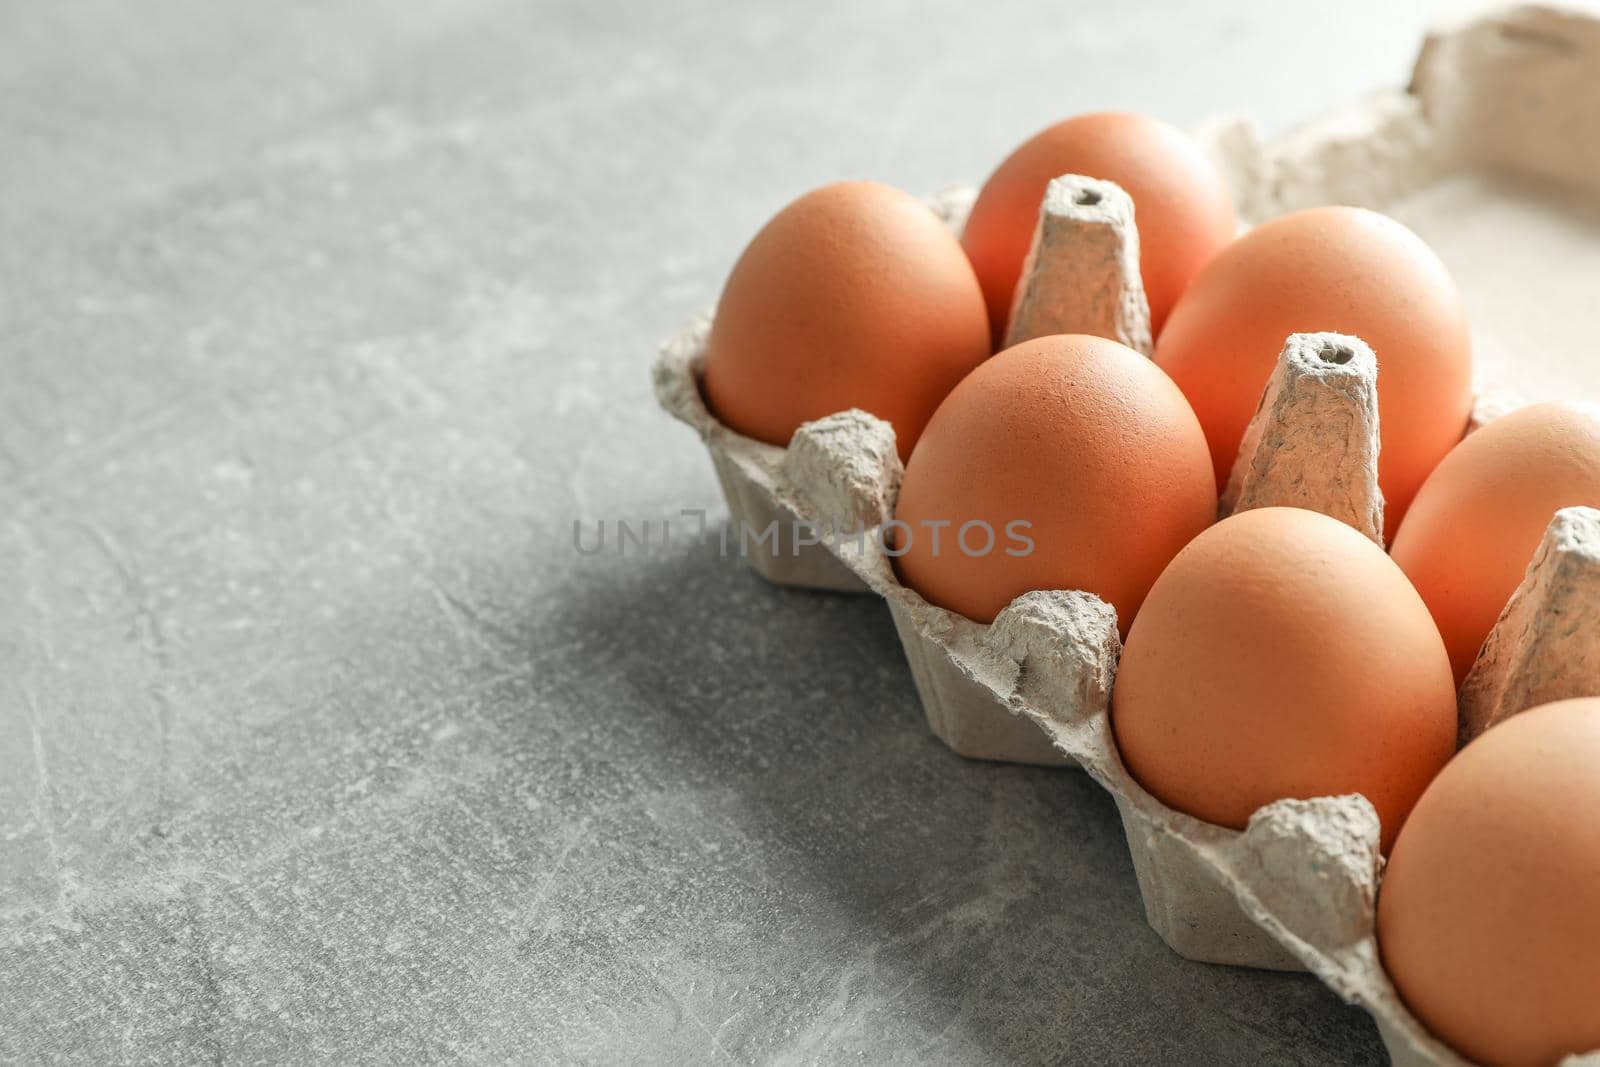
320	323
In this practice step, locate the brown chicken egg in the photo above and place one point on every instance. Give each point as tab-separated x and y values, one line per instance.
1489	912
1181	205
1338	269
1474	525
1065	462
855	295
1282	654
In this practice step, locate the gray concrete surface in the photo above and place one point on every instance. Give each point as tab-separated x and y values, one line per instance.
319	326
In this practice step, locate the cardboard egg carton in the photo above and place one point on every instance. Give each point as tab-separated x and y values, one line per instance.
1297	888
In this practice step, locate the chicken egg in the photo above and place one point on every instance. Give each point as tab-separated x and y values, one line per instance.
1282	654
1489	911
855	295
1065	462
1475	523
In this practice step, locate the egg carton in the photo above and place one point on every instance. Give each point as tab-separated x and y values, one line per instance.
1296	890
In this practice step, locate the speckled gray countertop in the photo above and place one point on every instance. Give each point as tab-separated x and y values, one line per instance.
320	325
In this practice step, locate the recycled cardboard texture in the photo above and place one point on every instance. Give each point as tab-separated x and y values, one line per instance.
1313	442
1546	644
1081	274
747	470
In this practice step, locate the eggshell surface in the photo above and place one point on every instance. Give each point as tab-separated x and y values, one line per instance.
1182	208
855	295
1474	525
1081	438
1283	655
1342	270
1489	911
